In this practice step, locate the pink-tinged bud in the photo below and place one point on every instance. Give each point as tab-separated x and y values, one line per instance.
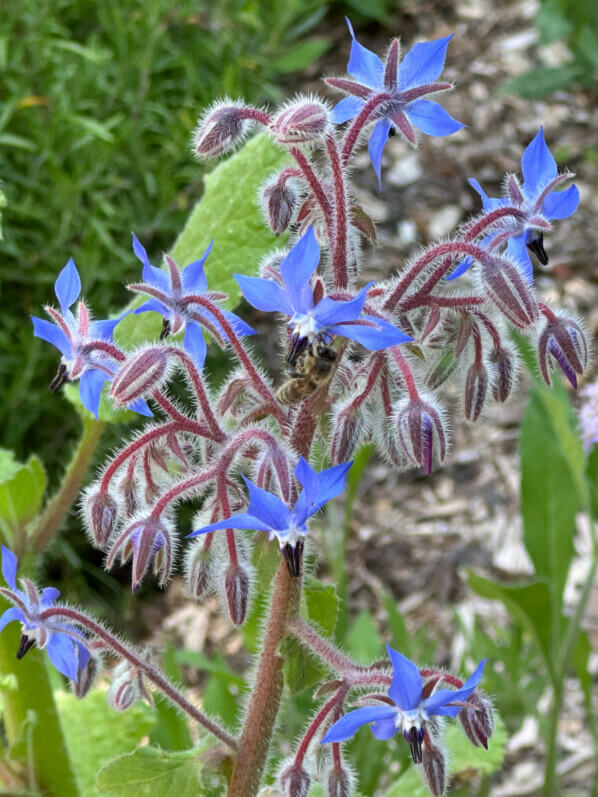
101	513
146	540
434	769
278	204
340	783
562	341
302	122
364	223
221	129
295	782
505	286
128	490
236	590
86	677
199	570
348	427
478	722
476	390
444	367
505	363
139	375
422	431
125	687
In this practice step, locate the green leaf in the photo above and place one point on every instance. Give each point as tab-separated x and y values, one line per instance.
95	733
552	22
220	695
462	756
301	55
592	480
228	213
363	641
171	731
150	772
543	81
321	604
370	9
22	489
106	411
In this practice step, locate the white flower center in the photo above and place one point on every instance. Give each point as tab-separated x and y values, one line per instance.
304	325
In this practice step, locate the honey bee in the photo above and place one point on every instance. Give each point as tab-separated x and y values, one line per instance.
309	368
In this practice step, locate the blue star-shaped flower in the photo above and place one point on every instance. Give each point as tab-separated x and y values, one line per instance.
328	317
74	337
539	202
266	512
66	646
403	84
171	294
410	711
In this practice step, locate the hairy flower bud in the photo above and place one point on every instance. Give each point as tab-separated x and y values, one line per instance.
504	285
562	341
127	687
442	369
220	130
505	363
86	676
199	567
147	540
236	590
422	432
476	389
304	121
478	722
434	769
340	783
101	512
295	781
139	375
348	427
278	203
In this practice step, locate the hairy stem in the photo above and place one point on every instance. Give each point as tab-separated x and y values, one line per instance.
318	192
339	254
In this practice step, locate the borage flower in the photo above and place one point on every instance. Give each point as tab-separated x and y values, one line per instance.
538	202
266	512
411	710
172	297
80	341
309	320
65	646
400	86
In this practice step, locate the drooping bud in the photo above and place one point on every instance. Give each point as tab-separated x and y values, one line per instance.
422	431
147	540
86	676
278	203
348	427
434	769
101	512
221	129
505	363
478	722
304	121
236	590
340	782
126	688
295	781
139	375
476	389
509	291
128	489
199	569
562	341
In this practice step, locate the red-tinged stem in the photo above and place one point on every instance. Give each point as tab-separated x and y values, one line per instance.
359	123
107	348
477	342
318	192
263	706
408	378
477	227
321	647
337	759
257	116
339	255
178	490
335	701
386	397
444	676
547	312
490	328
375	364
150	672
225	507
420	300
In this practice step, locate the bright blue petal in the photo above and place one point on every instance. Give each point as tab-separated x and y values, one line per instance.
423	63
296	270
351	722
240	521
49	596
488	203
240	327
407	683
373	338
264	295
153	306
347	108
438	702
9	615
151	275
431	118
193	276
376	146
517	251
52	334
267	507
461	268
68	286
384	729
364	65
195	344
308	479
561	204
332	311
331	482
104	330
538	166
141	407
83	654
9	567
63	655
90	389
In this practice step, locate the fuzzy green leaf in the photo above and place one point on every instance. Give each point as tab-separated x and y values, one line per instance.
22	489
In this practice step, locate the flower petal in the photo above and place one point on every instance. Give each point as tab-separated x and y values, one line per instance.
141	407
488	203
240	326
195	344
407	683
376	146
347	108
438	702
152	275
240	521
153	306
193	276
364	65
384	729
264	295
431	118
9	567
267	507
90	388
375	338
351	722
9	615
561	204
49	596
68	286
104	330
63	655
52	334
335	311
296	270
331	482
308	479
423	63
517	251
538	166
